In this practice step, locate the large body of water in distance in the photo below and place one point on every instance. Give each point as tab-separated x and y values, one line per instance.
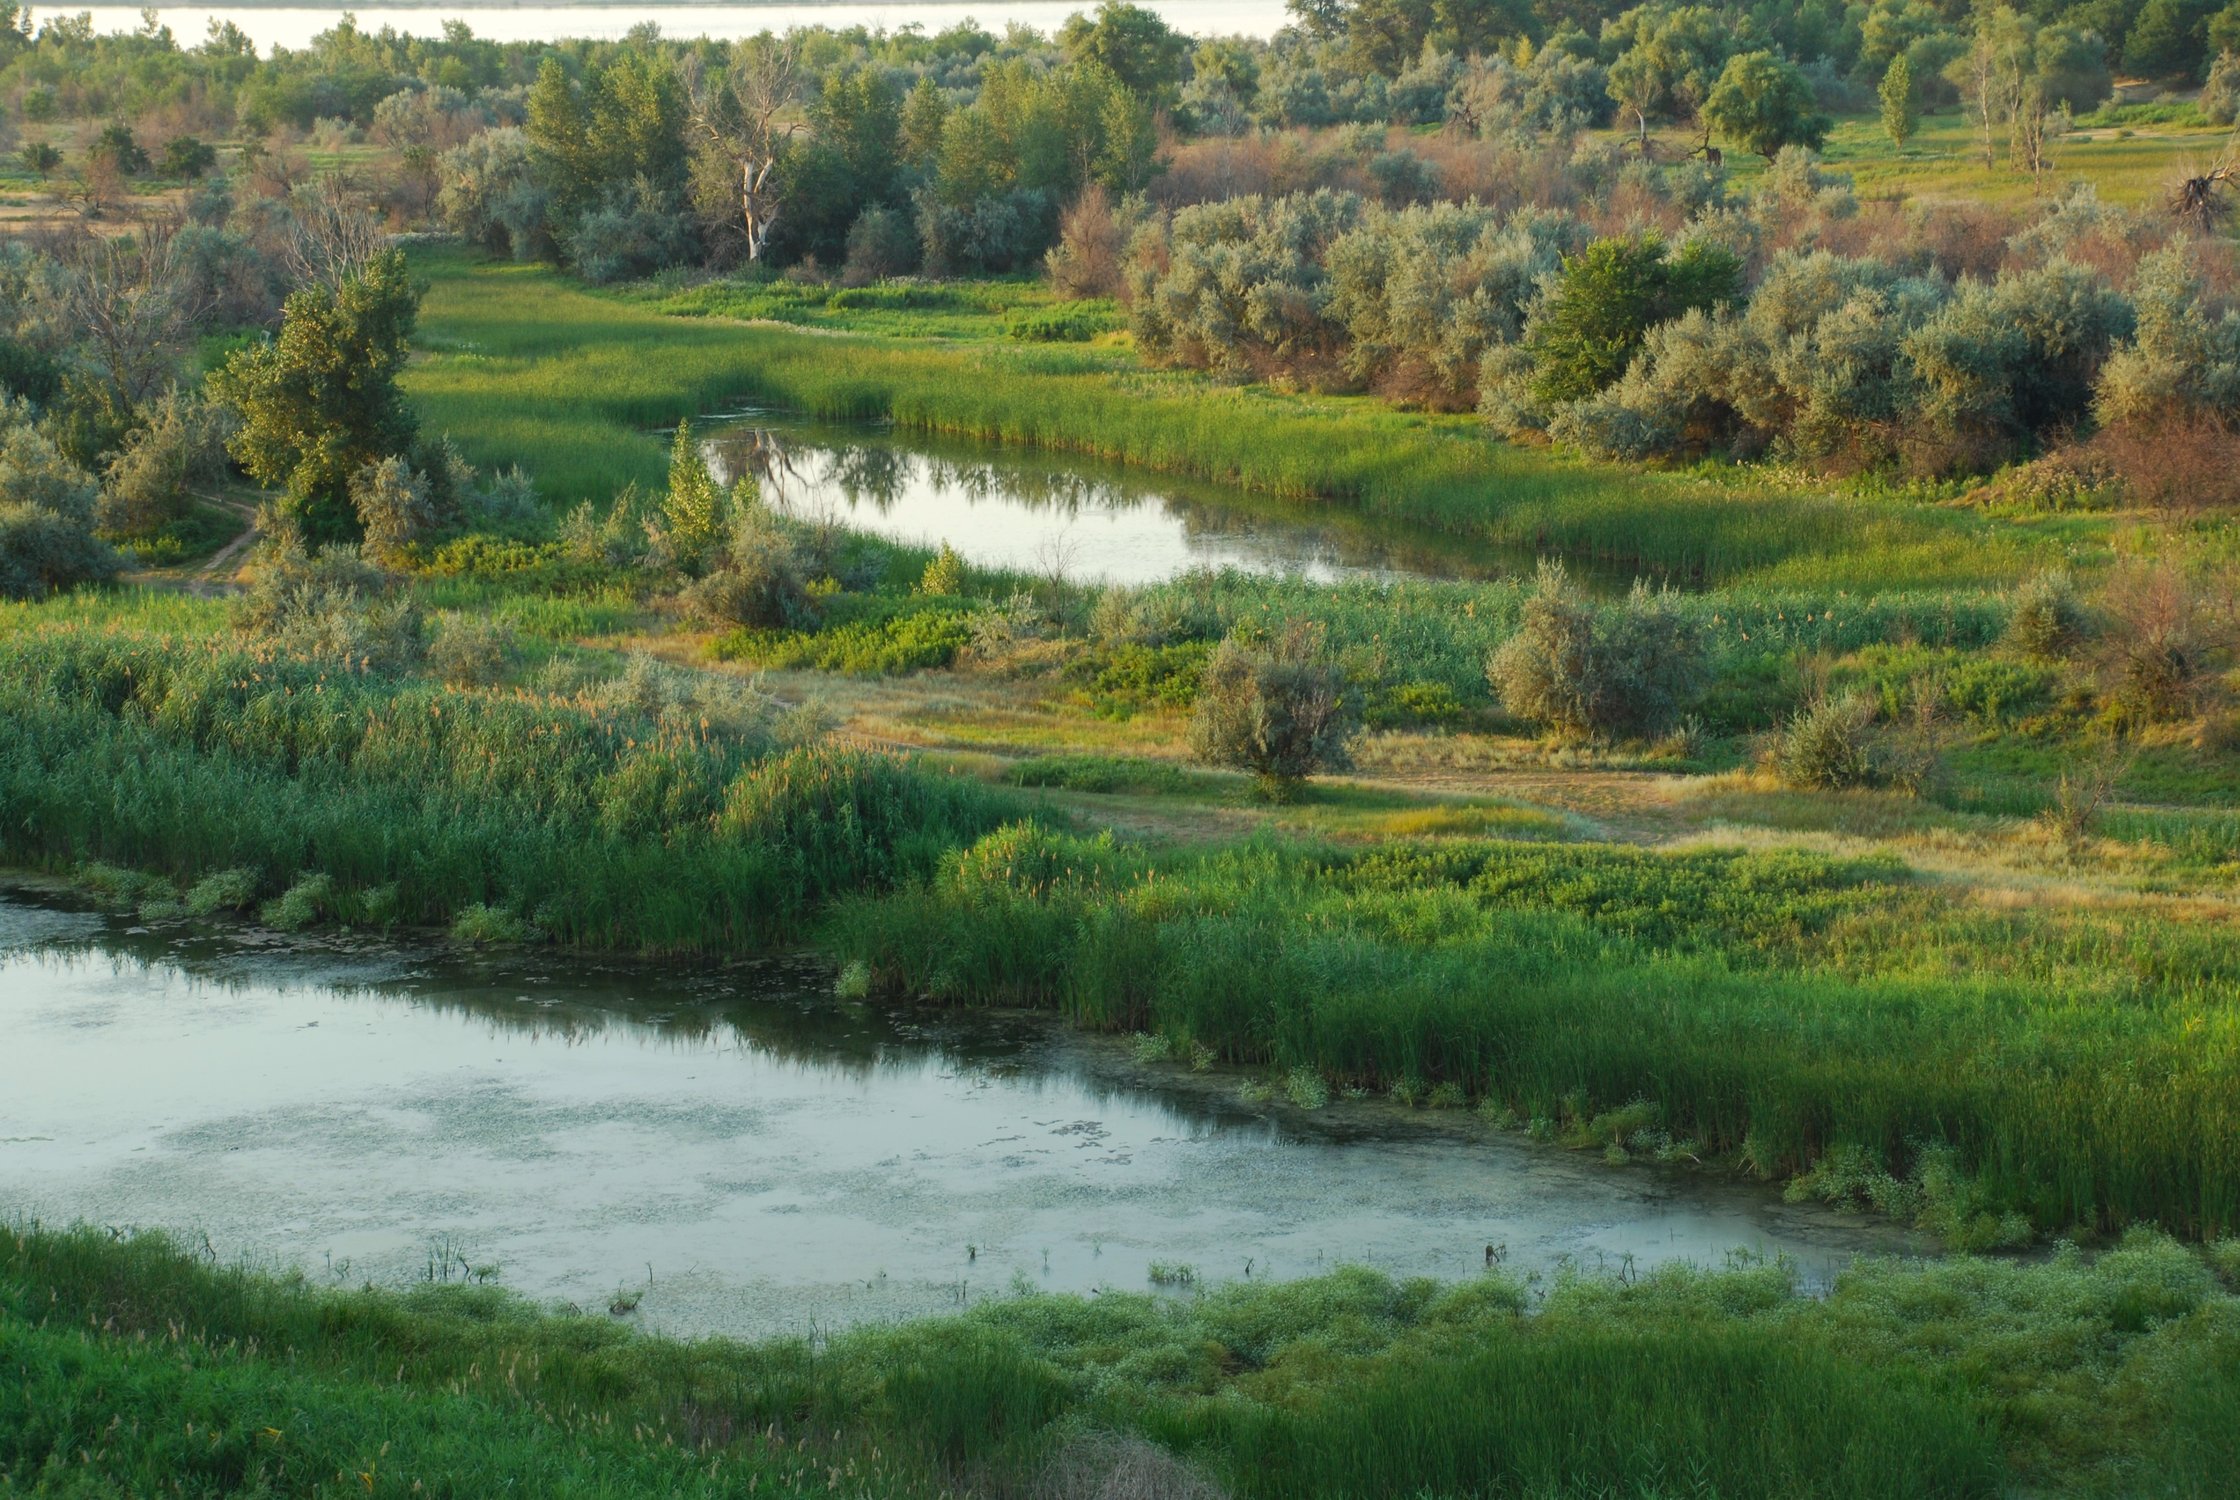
747	1152
293	26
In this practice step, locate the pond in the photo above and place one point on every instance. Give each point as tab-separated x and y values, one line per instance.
1042	513
731	1145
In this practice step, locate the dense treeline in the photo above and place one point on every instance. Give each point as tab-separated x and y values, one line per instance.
957	152
1795	321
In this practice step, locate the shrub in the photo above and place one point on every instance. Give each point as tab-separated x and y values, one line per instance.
1826	747
333	605
150	482
2047	622
473	651
2165	636
304	904
1837	743
1086	260
1608	297
47	510
944	574
635	231
395	507
225	890
881	244
1606	672
483	923
492	196
1278	710
757	583
2220	96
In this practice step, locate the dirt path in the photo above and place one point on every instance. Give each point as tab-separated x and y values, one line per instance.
216	575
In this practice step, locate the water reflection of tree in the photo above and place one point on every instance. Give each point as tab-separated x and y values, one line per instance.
818	474
762	454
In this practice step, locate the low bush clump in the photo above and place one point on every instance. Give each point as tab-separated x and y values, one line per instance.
1604	672
1277	709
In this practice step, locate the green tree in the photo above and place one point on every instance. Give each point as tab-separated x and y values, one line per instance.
321	401
185	156
2169	39
559	132
1901	107
693	507
117	145
1608	297
924	114
1668	58
1138	48
1764	103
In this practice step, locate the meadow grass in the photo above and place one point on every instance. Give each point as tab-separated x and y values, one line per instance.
2128	163
521	366
145	1371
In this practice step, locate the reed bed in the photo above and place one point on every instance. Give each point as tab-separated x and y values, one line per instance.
1981	1072
600	826
142	1370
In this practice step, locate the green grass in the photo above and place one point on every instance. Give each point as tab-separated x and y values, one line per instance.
1770	1009
137	1370
522	366
608	826
2129	159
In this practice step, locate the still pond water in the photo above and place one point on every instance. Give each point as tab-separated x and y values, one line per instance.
1043	513
749	1153
293	26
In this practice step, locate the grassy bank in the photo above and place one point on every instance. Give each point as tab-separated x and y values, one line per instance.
235	775
1828	1021
522	366
134	1369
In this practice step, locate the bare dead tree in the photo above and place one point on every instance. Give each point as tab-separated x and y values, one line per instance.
2199	201
333	231
739	115
127	299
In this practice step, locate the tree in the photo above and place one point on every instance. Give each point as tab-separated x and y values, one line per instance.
1138	48
1607	298
693	506
320	402
41	158
1668	58
1278	709
1901	106
736	119
2169	38
133	311
1764	102
186	156
924	114
116	145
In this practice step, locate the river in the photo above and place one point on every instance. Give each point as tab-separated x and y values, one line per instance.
730	1148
